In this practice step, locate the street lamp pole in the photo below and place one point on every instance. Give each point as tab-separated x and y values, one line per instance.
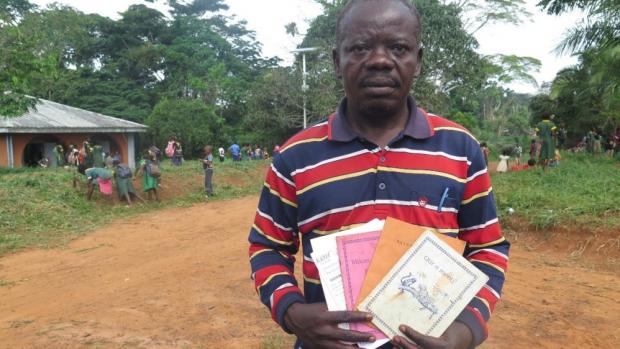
304	86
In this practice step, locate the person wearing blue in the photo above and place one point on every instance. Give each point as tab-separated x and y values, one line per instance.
235	150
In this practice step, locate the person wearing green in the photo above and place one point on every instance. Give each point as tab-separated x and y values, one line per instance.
59	155
96	177
124	182
87	152
546	131
150	178
98	155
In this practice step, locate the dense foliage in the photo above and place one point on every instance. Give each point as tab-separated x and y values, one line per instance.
587	96
456	81
188	72
199	74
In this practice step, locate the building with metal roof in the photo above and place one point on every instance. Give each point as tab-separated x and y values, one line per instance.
27	139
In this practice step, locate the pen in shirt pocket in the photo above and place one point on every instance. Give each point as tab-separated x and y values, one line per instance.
444	196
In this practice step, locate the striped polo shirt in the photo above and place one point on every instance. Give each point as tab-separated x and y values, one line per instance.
327	178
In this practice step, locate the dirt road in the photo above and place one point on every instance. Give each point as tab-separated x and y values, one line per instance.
180	279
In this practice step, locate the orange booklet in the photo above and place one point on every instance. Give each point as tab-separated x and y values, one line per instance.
396	238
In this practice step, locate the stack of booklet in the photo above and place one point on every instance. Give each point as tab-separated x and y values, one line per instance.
399	272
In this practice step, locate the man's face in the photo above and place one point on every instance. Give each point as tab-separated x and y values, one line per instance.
378	57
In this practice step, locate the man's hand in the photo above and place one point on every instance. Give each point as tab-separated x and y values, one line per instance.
457	336
318	328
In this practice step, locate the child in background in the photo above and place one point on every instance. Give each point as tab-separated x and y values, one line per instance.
533	149
556	159
207	165
97	177
502	167
517	151
109	161
485	152
124	182
150	179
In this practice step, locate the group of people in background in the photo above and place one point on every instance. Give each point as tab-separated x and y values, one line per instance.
90	153
596	142
119	175
174	151
544	150
105	171
246	152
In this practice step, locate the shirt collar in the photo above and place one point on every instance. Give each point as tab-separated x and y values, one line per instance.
417	126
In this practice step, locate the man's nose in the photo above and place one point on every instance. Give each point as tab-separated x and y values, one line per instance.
380	58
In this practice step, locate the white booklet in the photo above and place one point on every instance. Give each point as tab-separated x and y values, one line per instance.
325	257
426	289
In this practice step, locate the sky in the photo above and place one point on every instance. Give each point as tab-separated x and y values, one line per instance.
536	37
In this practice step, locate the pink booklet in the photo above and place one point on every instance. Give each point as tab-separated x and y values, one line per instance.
355	253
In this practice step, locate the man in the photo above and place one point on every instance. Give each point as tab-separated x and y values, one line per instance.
377	156
546	130
235	150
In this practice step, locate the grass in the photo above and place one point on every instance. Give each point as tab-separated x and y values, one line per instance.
40	207
583	192
6	283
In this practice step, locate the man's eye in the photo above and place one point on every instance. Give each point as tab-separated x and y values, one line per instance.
399	48
359	49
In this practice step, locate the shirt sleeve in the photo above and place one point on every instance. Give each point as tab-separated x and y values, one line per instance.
487	248
274	241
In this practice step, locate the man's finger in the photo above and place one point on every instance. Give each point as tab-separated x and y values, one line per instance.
348	316
351	336
421	340
403	343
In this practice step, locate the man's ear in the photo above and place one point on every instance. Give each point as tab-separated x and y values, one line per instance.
336	63
418	69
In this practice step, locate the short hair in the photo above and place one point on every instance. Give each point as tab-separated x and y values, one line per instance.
351	3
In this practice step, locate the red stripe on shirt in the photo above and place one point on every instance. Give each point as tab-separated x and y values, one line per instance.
269	228
478	185
335	169
413	214
277	296
489	297
263	274
309	133
483	235
310	270
490	257
279	185
427	162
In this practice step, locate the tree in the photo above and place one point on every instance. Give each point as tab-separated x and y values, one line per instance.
478	14
19	60
588	94
193	122
601	28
